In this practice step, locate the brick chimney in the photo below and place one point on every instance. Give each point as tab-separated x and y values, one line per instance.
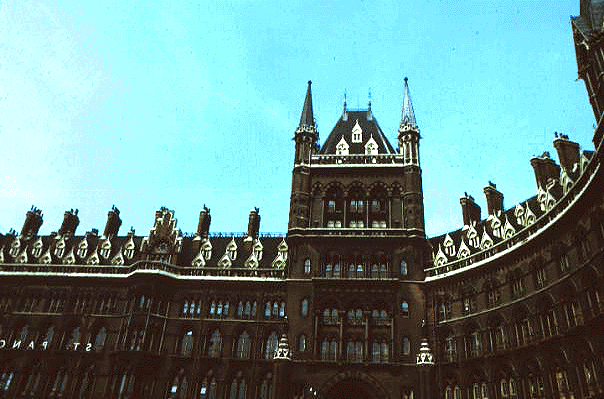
70	223
253	226
545	169
470	210
203	228
494	198
568	151
33	221
113	223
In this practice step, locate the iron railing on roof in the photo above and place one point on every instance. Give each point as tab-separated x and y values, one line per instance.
379	159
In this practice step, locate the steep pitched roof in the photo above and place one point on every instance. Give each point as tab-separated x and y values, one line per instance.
307	118
369	127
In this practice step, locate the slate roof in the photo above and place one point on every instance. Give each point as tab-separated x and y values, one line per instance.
591	18
344	126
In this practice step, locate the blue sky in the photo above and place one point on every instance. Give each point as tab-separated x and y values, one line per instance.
185	103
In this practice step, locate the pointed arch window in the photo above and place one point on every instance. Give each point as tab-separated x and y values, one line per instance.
302	343
266	388
74	339
404	270
100	339
215	346
186	344
238	388
60	384
179	387
244	344
272	342
406	346
354	351
307	266
209	388
405	308
304	307
126	385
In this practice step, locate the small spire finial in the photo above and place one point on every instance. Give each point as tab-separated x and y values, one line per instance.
408	117
307	118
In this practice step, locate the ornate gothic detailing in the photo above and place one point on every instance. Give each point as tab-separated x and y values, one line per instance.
425	357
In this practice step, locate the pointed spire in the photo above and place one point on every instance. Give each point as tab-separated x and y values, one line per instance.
307	118
408	118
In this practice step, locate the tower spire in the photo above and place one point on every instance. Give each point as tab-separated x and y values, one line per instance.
408	118
307	118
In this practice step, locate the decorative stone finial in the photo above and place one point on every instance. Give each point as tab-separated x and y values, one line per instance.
425	357
282	352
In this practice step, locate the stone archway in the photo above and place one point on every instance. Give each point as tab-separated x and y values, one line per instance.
352	385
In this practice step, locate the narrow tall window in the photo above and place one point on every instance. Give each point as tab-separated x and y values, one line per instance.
404	270
215	347
272	342
243	346
304	307
406	346
405	308
186	346
307	266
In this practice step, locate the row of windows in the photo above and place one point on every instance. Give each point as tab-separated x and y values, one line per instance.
243	310
550	322
379	350
33	304
332	315
356	269
512	388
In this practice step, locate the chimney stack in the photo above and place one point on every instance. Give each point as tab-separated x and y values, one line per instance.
33	221
70	223
568	152
470	210
494	198
253	226
203	228
545	169
113	223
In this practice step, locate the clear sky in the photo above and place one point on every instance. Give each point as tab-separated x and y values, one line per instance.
183	103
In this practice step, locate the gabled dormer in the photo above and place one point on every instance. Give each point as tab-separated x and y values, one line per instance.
283	249
22	258
60	247
449	246
371	147
225	262
472	236
93	259
199	260
257	249
342	148
69	259
519	214
105	248
486	241
118	259
464	251
231	250
129	246
279	261
37	248
252	261
83	248
440	258
15	247
508	229
46	259
357	133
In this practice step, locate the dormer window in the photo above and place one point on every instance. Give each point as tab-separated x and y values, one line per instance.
14	248
342	147
60	250
357	133
371	147
206	250
37	250
106	249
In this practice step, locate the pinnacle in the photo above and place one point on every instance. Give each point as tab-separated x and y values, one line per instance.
408	117
307	118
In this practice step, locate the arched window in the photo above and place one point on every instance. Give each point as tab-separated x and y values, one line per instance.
302	343
375	271
405	308
304	307
6	379
136	340
404	270
337	272
380	351
406	346
383	271
266	388
186	344
354	351
125	385
352	271
179	387
215	346
60	383
272	342
209	388
243	346
307	266
74	339
86	383
238	387
48	337
100	339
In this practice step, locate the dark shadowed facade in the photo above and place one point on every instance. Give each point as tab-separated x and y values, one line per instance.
353	302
